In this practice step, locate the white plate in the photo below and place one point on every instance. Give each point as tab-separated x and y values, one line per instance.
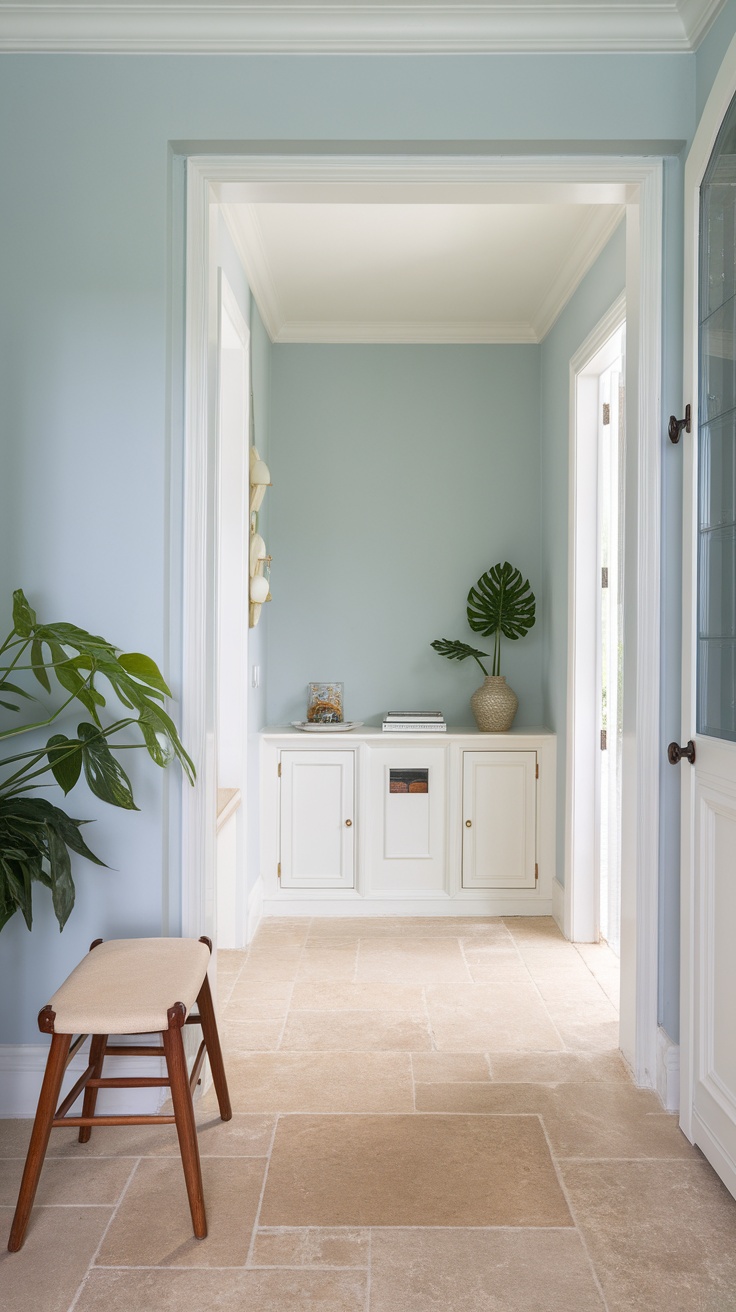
343	727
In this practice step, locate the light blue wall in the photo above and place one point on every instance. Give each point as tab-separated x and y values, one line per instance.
90	365
401	473
595	295
710	54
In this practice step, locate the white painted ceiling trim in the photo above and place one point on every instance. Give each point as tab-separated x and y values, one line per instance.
341	26
599	229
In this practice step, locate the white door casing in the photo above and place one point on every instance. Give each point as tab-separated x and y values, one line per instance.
708	788
631	181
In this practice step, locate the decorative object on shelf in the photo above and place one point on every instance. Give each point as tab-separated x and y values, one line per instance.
259	563
36	837
341	726
324	705
413	722
501	602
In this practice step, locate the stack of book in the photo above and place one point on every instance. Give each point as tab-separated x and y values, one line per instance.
414	722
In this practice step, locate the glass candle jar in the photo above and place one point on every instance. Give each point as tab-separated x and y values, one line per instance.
325	703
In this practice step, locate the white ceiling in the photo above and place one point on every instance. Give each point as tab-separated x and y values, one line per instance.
416	272
349	25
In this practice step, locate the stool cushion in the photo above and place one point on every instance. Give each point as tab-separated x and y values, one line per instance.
126	986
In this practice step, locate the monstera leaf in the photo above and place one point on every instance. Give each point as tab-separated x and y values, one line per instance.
501	602
458	651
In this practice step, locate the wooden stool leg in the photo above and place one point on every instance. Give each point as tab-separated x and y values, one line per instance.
47	1103
181	1096
214	1051
96	1058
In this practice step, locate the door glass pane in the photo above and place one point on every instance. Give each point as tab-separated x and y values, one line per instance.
717	441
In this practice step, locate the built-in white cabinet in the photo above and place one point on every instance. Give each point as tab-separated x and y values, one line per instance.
458	823
317	819
499	819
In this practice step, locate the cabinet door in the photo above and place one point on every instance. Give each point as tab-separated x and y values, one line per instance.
499	819
317	819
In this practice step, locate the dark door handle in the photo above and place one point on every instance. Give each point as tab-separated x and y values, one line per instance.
676	425
676	754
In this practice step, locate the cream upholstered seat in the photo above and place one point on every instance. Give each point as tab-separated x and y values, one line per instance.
127	985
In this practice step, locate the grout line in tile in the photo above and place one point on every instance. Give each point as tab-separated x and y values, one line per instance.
357	959
370	1272
413	1082
487	1056
465	961
566	1196
113	1214
257	1217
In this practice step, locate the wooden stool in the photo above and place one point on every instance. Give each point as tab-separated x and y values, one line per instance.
128	986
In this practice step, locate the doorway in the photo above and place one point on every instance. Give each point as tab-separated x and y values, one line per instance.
637	184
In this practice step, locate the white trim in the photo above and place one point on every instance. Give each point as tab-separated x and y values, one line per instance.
308	28
254	260
722	93
581	909
315	903
480	333
21	1072
255	912
604	180
597	231
668	1071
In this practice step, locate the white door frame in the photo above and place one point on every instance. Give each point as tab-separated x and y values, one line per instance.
581	918
631	181
722	93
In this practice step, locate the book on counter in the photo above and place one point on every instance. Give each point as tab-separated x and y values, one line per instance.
414	722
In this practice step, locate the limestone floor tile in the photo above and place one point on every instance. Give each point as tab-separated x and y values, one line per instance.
98	1181
590	1036
60	1243
223	1291
230	961
491	965
559	1067
328	962
486	1017
272	962
411	1170
239	1036
153	1226
448	1067
589	1007
360	1031
319	1082
403	927
481	1271
531	928
291	931
311	1247
243	1136
254	998
660	1234
411	961
479	1097
322	996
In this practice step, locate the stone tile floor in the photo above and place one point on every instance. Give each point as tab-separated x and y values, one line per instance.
430	1116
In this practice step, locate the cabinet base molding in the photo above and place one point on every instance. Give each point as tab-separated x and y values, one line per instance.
317	904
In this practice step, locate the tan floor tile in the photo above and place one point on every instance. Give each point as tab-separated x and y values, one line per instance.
227	1291
230	961
287	931
362	1031
531	928
412	1170
60	1243
403	927
447	1067
254	998
153	1227
323	996
661	1234
239	1036
479	1097
559	1067
486	1017
97	1182
471	1271
320	1082
328	962
492	964
311	1247
590	1036
411	961
271	962
243	1136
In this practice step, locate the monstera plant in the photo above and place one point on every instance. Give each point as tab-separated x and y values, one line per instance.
501	603
71	666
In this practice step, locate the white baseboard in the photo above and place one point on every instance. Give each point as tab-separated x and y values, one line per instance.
291	902
668	1071
254	912
21	1072
558	905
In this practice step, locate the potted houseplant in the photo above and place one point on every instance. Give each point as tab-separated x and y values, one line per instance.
37	838
501	602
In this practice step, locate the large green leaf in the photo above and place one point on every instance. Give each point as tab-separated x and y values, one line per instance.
62	884
35	839
146	670
458	651
105	776
501	600
24	618
65	759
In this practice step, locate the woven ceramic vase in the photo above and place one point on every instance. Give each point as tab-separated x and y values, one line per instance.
494	704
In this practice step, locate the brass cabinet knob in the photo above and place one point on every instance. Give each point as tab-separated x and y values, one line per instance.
468	824
348	823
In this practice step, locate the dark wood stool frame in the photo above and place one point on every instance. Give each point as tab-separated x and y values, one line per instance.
179	1081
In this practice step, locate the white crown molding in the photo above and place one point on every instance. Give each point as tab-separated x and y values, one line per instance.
596	232
418	332
253	257
169	26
